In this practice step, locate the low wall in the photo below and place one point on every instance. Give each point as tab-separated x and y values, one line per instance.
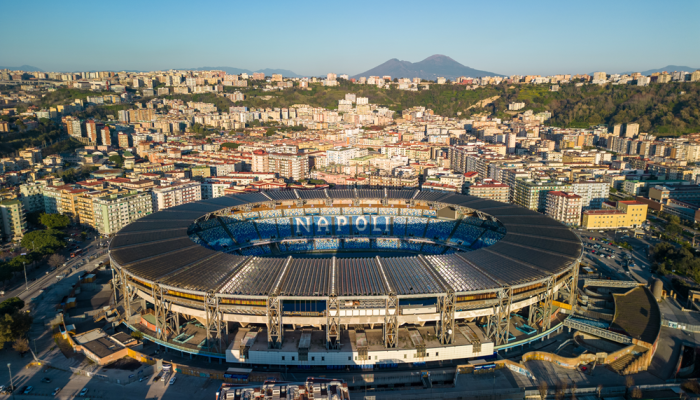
564	362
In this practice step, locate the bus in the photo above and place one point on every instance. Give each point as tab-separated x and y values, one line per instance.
76	253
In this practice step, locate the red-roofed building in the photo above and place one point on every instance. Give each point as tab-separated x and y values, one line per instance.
564	207
489	189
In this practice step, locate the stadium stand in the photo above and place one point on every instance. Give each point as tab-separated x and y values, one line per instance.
439	229
352	211
300	245
473	221
429	213
330	211
267	228
382	243
294	212
416	212
326	244
312	211
284	227
243	232
271	213
356	243
432	248
251	215
388	211
369	210
412	246
415	226
210	223
399	226
466	234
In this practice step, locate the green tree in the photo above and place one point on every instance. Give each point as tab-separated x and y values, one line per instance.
117	160
11	306
14	326
54	221
44	241
674	229
230	145
137	335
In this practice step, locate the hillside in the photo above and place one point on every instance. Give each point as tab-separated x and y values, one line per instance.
429	69
659	109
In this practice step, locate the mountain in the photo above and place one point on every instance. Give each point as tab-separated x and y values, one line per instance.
237	71
668	68
25	68
430	69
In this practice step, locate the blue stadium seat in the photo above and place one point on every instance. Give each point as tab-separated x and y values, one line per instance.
243	231
267	228
284	227
399	226
415	226
439	229
466	233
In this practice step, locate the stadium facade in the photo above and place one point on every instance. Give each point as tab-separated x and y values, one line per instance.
410	276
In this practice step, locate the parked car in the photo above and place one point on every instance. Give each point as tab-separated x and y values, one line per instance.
28	389
172	380
83	392
55	391
46	380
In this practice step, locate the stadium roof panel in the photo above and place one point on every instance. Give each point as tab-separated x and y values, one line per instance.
359	277
126	239
281	195
312	194
168	263
407	275
401	194
218	268
370	193
308	277
459	274
502	269
130	254
256	278
251	197
342	194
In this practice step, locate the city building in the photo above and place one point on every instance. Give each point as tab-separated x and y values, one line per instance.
627	214
116	210
489	189
31	196
178	193
564	207
14	223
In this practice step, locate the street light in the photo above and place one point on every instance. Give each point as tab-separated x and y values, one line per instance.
26	282
12	385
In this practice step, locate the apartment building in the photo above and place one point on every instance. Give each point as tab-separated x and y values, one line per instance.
74	126
532	194
212	189
85	206
179	193
489	189
290	166
564	207
627	214
592	193
116	210
31	196
341	155
14	223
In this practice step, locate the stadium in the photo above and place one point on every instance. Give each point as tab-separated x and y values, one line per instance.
347	277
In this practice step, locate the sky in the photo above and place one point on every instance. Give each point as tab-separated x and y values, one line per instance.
313	38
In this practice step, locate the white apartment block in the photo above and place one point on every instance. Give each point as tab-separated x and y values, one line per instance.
341	155
213	189
593	194
564	207
175	195
115	211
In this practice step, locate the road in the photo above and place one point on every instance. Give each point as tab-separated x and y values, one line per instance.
41	277
614	267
